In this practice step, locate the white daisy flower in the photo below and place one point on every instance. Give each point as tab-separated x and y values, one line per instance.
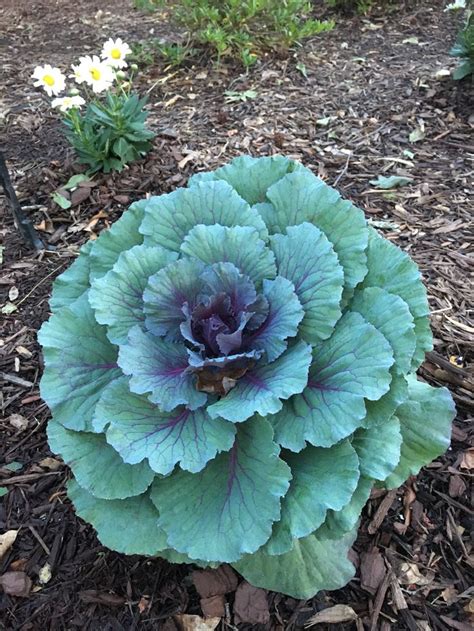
94	72
68	102
49	78
114	52
456	5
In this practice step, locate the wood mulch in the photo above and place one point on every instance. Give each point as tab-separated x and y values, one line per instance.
369	84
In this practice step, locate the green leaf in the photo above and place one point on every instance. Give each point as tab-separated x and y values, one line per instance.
121	236
393	270
138	430
61	201
377	412
240	245
425	423
233	501
306	257
129	526
73	282
378	448
339	522
96	465
463	70
169	218
322	479
3	490
79	363
352	365
302	197
75	180
394	181
316	563
117	297
261	389
391	316
252	177
160	369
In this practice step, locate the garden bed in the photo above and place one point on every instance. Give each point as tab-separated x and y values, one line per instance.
349	113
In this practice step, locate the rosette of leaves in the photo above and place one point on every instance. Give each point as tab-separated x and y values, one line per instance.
231	368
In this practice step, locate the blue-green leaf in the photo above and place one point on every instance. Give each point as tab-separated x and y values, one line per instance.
121	236
377	412
322	479
352	365
315	563
425	423
73	282
169	218
79	362
339	522
159	368
239	245
138	429
262	389
228	508
129	526
97	467
117	297
378	448
306	257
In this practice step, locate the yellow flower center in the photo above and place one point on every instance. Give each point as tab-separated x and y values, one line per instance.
49	80
115	53
95	74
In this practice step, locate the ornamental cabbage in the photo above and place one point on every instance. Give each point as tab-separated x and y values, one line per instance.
230	370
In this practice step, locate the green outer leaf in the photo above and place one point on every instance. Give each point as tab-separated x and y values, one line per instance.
391	316
233	501
262	388
284	315
73	282
315	563
117	297
169	218
424	339
97	467
159	368
377	412
393	270
138	430
240	245
121	236
251	177
378	449
425	422
129	526
322	479
339	522
301	197
352	365
79	362
306	257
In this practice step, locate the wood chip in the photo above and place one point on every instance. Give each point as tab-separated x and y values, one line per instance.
332	615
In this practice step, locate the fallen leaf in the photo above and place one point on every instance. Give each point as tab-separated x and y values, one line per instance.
76	180
457	486
45	575
251	605
449	595
53	464
213	607
467	461
16	584
80	195
411	575
144	604
469	608
215	582
416	135
332	615
196	623
18	421
62	201
3	491
13	293
6	541
8	308
13	466
394	181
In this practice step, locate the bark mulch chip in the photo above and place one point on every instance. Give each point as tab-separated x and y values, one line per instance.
371	104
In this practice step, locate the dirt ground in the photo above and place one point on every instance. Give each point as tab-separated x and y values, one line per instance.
369	84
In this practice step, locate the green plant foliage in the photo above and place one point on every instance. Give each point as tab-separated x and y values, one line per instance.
232	367
111	133
464	49
244	28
